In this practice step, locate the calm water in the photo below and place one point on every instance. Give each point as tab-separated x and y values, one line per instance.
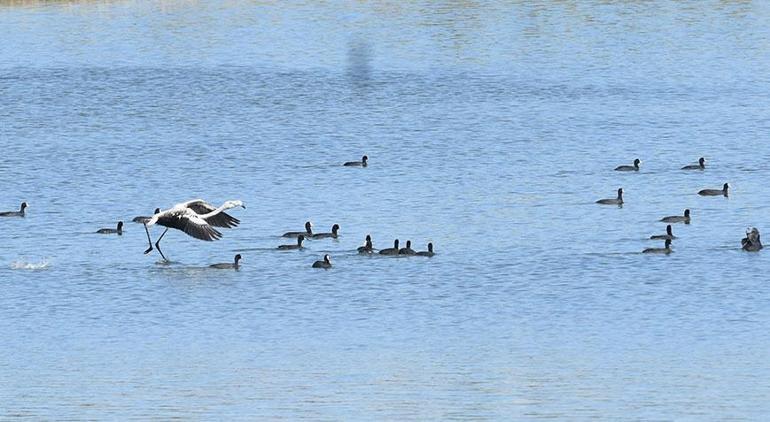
491	128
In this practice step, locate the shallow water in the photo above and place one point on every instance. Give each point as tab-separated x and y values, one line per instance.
491	130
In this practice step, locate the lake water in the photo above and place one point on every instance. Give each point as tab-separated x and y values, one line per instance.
491	127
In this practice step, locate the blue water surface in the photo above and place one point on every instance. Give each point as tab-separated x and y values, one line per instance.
491	127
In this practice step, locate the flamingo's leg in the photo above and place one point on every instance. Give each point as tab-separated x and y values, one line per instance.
157	245
149	249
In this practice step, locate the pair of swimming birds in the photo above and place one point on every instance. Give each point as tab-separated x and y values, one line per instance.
325	263
637	162
308	234
618	200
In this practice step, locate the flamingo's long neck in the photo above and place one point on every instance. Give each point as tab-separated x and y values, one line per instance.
225	206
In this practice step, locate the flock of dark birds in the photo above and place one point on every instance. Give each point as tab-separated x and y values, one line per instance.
199	219
751	242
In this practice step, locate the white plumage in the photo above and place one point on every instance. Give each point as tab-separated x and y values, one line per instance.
197	218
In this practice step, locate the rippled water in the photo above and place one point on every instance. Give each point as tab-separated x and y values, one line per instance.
491	130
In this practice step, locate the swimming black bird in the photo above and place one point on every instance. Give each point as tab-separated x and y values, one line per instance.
143	219
326	263
617	201
228	265
666	250
362	163
407	250
20	213
333	234
118	230
678	218
669	234
700	166
300	238
368	247
390	251
307	233
715	192
751	242
635	167
429	252
184	217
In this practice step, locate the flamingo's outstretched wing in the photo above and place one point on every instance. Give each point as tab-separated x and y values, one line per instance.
222	219
190	223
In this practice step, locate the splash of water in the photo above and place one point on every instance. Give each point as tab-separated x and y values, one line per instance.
23	265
